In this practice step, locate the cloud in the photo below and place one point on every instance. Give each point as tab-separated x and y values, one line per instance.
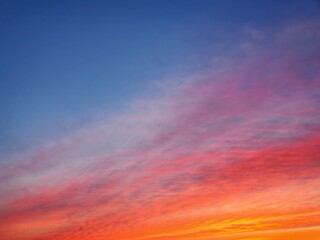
233	149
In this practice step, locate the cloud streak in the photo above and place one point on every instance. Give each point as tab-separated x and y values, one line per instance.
226	153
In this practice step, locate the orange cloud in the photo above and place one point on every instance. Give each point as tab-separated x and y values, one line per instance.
233	154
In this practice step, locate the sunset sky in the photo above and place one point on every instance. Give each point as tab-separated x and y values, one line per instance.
160	120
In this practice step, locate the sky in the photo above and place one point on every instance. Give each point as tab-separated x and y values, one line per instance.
158	120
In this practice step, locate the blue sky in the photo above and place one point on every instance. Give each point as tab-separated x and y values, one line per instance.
62	62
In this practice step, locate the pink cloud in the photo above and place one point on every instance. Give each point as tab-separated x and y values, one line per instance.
244	131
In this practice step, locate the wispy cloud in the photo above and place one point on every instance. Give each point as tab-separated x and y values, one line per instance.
232	149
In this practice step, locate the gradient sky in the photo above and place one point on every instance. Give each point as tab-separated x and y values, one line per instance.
158	120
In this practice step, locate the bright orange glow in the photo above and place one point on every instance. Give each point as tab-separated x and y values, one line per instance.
224	157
